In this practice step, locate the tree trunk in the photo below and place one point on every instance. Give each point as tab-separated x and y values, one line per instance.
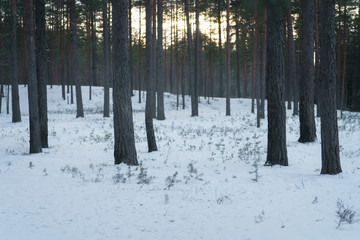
139	56
130	50
329	127
306	113
317	59
344	62
150	79
76	61
124	151
253	73
227	58
221	62
15	104
195	88
237	35
160	64
190	60
263	68
291	56
276	150
89	58
93	46
41	60
106	61
35	137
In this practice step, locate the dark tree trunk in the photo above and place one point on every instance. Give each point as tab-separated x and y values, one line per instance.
93	47
253	72
89	58
263	67
160	64
139	56
329	127
124	151
291	55
258	70
150	79
190	60
275	75
306	113
342	100
237	35
35	137
317	59
16	115
227	58
106	61
41	60
195	88
76	60
153	93
221	63
130	50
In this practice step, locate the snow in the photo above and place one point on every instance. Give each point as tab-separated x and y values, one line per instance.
201	181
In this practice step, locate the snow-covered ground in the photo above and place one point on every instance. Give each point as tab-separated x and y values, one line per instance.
201	184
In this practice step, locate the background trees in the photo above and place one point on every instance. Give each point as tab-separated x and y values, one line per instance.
189	37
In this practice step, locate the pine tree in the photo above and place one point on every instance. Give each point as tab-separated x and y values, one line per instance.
35	137
276	150
329	128
124	150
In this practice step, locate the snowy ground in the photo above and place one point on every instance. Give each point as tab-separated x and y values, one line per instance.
199	185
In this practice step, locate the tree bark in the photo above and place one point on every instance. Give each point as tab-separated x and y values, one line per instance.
291	57
190	60
329	128
150	79
76	61
195	88
15	102
106	61
35	137
276	149
124	151
306	113
221	62
41	67
139	56
227	58
160	64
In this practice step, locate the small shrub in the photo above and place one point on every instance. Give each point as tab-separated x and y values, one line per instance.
143	177
345	214
171	180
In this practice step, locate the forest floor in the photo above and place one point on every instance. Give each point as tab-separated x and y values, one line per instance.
207	181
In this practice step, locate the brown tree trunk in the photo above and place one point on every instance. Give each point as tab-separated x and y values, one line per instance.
160	64
139	56
76	60
124	151
150	78
15	102
221	62
276	150
344	63
41	60
106	61
329	128
306	113
227	58
195	88
35	137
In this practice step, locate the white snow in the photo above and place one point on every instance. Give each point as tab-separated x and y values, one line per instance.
74	191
